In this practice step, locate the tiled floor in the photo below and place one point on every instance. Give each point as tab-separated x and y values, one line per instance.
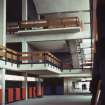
57	100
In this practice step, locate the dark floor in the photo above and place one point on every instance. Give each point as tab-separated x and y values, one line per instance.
57	100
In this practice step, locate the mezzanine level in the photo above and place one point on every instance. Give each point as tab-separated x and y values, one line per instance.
39	62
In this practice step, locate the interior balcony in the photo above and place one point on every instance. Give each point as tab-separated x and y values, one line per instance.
34	62
71	73
65	24
39	62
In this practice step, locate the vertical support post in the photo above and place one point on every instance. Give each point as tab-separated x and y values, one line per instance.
39	88
2	42
75	58
38	17
68	87
24	46
3	22
25	85
24	9
2	84
25	49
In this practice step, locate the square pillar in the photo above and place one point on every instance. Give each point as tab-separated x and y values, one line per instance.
25	85
25	49
3	22
39	92
68	87
2	85
24	46
73	51
24	9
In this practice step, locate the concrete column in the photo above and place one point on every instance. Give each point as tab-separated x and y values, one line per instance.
68	87
3	22
2	84
39	82
24	46
25	49
73	49
39	88
38	17
25	84
65	86
24	9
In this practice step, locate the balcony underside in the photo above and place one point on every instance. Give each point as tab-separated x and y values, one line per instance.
39	68
8	65
55	30
31	68
44	70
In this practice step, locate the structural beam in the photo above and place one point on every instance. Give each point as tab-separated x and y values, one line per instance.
47	36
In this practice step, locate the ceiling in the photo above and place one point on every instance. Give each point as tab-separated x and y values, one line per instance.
61	46
65	8
52	6
52	46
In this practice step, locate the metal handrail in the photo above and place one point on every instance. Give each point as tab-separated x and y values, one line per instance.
29	57
45	24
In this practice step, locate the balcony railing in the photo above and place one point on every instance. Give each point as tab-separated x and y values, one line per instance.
39	57
44	24
8	54
29	57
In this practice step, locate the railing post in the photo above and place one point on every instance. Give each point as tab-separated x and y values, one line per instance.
5	56
18	59
2	85
32	59
12	58
25	85
44	58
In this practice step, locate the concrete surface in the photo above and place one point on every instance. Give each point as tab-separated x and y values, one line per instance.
57	100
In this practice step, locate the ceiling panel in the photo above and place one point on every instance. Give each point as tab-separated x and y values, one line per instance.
53	46
51	6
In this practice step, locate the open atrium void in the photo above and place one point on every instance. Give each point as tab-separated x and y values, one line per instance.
46	52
